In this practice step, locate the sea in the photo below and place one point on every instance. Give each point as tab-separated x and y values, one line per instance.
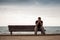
49	30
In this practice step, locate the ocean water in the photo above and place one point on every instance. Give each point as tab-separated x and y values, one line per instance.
49	30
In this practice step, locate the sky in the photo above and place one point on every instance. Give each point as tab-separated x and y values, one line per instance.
25	12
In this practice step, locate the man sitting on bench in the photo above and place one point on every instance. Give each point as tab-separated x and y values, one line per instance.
39	26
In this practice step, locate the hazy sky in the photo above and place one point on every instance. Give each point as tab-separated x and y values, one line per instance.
25	12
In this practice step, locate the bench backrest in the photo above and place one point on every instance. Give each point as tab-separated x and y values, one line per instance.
21	27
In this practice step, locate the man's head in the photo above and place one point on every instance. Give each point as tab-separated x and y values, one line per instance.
39	18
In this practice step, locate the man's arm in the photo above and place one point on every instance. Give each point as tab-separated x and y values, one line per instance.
42	23
37	22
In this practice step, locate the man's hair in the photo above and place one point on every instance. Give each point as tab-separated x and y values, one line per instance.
39	17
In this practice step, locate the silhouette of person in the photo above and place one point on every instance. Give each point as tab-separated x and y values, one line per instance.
39	26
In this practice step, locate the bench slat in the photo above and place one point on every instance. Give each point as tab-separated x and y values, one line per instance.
21	27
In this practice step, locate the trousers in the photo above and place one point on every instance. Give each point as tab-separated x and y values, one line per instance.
41	28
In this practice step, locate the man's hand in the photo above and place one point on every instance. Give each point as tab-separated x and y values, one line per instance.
39	21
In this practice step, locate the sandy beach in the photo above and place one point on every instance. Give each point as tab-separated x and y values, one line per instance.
16	37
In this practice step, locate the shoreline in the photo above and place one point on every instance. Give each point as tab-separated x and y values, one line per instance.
31	35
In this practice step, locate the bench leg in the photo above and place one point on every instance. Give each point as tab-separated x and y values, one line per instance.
11	32
35	30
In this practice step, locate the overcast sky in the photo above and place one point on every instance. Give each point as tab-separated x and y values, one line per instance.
25	12
45	2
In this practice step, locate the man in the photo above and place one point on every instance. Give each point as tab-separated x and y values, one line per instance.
39	26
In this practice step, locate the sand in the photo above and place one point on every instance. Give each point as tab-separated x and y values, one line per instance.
52	37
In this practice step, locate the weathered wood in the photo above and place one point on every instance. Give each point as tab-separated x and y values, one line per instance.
21	27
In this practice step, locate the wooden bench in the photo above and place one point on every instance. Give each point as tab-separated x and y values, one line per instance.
21	28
